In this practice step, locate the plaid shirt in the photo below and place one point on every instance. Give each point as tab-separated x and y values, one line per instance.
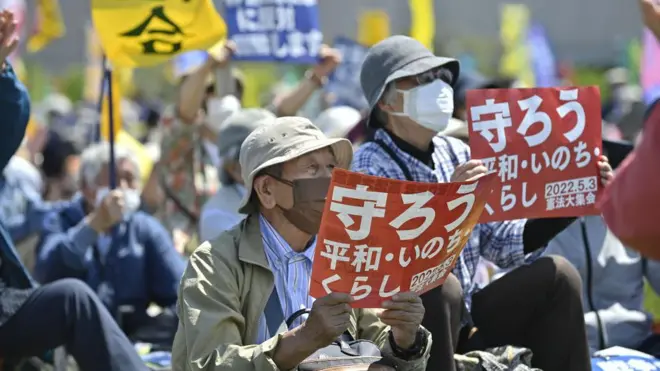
500	242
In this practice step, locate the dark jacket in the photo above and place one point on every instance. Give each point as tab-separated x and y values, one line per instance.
15	109
135	267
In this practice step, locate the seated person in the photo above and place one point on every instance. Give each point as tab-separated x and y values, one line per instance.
227	282
613	276
124	255
614	284
220	212
35	320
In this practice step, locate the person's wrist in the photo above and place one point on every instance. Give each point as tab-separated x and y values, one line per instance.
317	78
307	340
404	339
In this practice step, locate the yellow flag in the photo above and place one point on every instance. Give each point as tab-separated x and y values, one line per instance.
422	22
50	25
116	107
515	60
149	32
373	26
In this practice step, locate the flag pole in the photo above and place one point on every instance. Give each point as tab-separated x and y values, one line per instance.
96	134
111	126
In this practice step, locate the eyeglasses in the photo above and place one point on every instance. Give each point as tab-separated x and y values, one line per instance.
428	76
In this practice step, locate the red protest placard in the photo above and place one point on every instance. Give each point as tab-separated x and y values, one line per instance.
381	236
543	144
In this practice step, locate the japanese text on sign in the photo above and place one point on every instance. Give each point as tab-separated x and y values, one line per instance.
149	32
380	236
344	82
543	144
274	30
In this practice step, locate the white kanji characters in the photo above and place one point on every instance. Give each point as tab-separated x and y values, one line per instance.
327	281
366	256
579	199
591	198
572	105
383	285
403	262
582	157
358	291
550	203
507	200
373	207
533	116
570	200
336	252
485	128
527	202
560	202
467	200
416	210
536	168
508	167
431	248
561	158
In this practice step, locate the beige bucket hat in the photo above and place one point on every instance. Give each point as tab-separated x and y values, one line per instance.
281	140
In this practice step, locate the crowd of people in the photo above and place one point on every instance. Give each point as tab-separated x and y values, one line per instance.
210	251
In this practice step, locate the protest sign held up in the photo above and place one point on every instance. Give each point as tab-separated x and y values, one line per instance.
344	83
544	144
144	33
381	236
274	30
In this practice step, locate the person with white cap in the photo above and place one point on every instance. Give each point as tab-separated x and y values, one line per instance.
410	96
220	212
337	122
286	167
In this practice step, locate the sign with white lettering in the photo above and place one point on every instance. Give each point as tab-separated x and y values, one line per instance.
274	30
344	82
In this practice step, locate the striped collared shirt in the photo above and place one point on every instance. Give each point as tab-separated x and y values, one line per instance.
292	271
499	242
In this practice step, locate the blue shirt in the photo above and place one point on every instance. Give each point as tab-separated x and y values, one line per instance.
292	271
499	242
136	267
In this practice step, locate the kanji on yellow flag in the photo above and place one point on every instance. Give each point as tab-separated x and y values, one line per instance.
422	21
116	107
148	32
49	25
373	26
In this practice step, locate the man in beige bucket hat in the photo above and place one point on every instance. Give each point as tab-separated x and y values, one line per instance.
238	289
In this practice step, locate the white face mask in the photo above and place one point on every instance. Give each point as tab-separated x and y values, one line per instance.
430	105
131	198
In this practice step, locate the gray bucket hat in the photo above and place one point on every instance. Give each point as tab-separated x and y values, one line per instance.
237	127
394	58
284	139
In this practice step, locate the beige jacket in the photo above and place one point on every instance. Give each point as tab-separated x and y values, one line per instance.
223	293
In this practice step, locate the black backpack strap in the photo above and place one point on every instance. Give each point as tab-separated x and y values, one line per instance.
274	314
393	156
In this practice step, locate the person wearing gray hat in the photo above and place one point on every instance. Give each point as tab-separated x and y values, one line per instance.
239	288
410	96
220	212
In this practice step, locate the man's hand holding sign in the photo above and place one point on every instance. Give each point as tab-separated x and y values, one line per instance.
545	146
386	241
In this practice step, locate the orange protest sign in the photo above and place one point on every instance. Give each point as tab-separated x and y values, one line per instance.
381	236
544	144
